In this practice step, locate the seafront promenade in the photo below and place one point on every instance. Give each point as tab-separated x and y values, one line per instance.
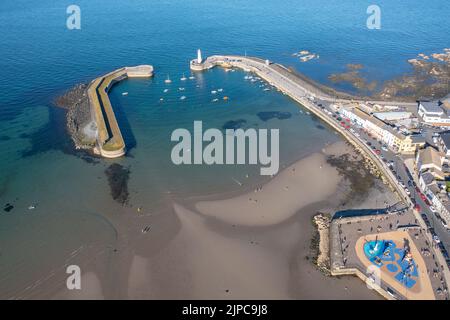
305	93
110	142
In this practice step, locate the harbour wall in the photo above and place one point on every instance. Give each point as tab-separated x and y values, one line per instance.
110	142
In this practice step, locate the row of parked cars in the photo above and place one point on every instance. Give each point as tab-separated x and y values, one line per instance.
436	239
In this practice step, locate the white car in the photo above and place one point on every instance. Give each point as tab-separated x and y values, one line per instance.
407	192
432	209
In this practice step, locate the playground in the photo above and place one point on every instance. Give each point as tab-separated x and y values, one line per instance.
401	265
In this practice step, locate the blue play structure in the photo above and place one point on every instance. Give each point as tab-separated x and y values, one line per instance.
385	252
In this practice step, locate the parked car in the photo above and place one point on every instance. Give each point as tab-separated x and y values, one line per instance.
422	196
433	209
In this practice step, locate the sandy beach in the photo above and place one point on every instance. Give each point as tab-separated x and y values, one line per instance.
308	181
255	245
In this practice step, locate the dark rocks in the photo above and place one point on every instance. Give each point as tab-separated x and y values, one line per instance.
118	182
234	124
78	115
267	115
8	207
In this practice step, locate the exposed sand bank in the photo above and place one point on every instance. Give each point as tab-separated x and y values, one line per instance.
308	181
193	255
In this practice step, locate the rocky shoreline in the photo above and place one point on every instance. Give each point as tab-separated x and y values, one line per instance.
320	243
80	125
428	79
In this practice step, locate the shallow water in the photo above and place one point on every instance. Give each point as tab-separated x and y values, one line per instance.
41	58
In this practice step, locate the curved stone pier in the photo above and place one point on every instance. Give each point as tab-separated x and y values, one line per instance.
110	143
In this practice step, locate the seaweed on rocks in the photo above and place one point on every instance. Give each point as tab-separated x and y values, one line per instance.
78	116
234	124
267	115
8	207
118	176
357	171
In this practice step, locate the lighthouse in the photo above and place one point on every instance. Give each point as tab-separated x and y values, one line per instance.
199	56
198	64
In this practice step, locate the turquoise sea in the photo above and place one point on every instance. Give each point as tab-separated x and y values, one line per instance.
40	59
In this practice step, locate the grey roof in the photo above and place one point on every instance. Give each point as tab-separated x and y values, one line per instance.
417	138
428	178
446	139
434	188
431	106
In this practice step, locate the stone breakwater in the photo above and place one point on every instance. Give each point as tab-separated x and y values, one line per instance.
110	143
322	248
91	121
78	116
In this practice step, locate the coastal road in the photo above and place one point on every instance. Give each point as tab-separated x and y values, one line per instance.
308	95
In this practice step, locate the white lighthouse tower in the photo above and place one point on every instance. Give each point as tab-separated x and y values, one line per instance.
199	56
199	64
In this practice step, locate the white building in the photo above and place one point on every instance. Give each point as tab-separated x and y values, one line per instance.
431	160
443	142
441	202
395	140
433	114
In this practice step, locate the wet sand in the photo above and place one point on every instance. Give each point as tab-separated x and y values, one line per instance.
232	248
228	248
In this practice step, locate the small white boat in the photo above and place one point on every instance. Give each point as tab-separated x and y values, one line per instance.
162	99
168	80
191	78
32	207
213	91
215	100
253	80
181	89
183	78
166	90
182	97
124	93
308	57
219	90
266	89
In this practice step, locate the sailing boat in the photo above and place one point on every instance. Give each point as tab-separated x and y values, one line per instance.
168	80
183	78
